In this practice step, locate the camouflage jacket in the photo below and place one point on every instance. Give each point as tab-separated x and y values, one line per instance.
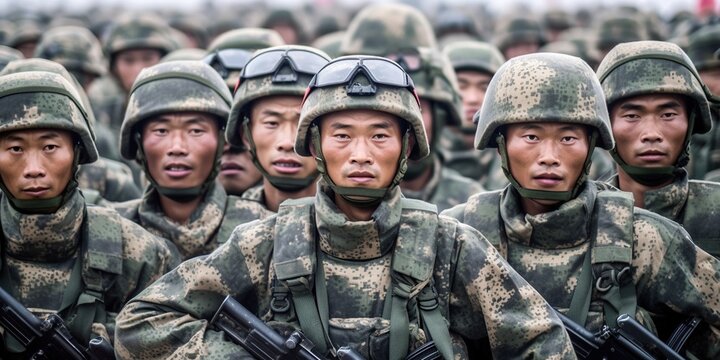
483	297
446	188
108	101
113	180
547	249
40	252
694	204
209	226
255	193
480	165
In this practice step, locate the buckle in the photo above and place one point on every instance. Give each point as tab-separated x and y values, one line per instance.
611	277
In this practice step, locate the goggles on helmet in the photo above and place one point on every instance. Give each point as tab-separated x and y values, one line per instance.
276	61
377	70
226	60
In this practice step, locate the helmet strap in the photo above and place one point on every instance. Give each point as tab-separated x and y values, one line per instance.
282	183
183	195
360	196
545	194
656	176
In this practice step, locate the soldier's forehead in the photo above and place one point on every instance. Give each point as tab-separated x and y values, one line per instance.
35	132
361	117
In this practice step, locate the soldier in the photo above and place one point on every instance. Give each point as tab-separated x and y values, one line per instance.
564	233
519	35
228	54
174	127
264	117
361	121
475	63
60	255
614	28
657	102
103	179
374	32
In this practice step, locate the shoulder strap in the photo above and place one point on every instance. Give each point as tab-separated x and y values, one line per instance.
101	264
612	254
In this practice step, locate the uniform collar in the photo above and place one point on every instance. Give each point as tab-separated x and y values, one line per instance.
669	200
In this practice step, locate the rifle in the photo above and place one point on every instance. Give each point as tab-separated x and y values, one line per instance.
629	340
48	339
265	343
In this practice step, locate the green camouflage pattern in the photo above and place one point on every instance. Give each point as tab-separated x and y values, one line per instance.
247	39
108	101
40	251
474	55
654	67
482	166
138	32
585	40
184	54
543	87
436	81
24	30
392	100
255	193
210	224
445	188
382	29
8	54
112	180
173	87
263	86
483	298
57	106
703	46
690	203
330	43
614	28
515	29
75	48
671	275
557	19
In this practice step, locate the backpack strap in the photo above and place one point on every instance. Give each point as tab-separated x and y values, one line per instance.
294	260
101	264
612	252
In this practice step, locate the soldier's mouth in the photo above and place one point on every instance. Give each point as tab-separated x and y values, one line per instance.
287	166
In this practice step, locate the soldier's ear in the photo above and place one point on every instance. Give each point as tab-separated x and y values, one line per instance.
411	144
312	150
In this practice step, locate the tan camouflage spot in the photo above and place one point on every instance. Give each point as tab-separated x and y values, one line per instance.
202	277
488	290
522	86
31	113
649	249
248	243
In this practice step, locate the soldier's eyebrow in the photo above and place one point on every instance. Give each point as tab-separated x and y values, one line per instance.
630	106
340	125
670	104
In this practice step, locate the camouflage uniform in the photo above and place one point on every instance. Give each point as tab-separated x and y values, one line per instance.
107	179
43	264
488	299
595	226
174	87
79	51
374	32
653	67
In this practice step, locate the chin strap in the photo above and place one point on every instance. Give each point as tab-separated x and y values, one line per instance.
183	195
545	194
360	196
47	206
655	176
283	183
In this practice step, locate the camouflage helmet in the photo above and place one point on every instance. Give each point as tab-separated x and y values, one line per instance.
138	32
436	81
6	29
171	87
516	29
74	47
392	100
252	89
45	100
25	30
704	47
8	54
382	29
330	43
557	20
616	28
543	87
184	54
247	39
474	55
654	67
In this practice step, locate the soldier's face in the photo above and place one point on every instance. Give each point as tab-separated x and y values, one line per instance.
427	116
237	172
36	164
473	85
547	156
650	130
273	124
711	78
521	48
128	64
180	148
361	147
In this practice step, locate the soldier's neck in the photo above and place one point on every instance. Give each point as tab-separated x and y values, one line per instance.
627	183
352	212
274	196
178	211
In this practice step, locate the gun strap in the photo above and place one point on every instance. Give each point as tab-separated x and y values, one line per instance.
580	303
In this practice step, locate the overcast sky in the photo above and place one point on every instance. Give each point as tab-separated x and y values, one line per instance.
663	7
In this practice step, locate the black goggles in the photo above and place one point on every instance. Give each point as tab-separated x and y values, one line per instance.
274	62
226	60
409	59
378	70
